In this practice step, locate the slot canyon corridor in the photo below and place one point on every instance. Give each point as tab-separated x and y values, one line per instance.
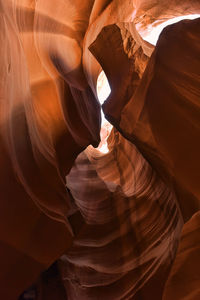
99	150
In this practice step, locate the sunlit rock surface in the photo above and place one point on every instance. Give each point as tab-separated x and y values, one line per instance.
113	220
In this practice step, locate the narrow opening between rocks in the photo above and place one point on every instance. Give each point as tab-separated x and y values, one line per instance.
154	31
103	91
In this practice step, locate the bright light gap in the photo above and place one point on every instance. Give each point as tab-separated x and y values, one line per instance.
103	91
154	32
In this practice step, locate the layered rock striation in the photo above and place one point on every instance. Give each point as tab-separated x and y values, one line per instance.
113	221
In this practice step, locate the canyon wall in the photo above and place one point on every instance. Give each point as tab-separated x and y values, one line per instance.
122	225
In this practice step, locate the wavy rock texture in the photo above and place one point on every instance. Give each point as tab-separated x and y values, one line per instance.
117	225
132	226
184	277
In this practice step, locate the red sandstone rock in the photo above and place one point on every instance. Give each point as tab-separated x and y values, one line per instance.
119	221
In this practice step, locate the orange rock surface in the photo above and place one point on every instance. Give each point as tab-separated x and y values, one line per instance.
119	225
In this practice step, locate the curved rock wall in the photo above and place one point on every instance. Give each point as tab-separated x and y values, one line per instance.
127	201
132	226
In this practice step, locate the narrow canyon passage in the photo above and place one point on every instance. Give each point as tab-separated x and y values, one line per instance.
99	150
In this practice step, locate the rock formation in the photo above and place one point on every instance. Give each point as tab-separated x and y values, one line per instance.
76	223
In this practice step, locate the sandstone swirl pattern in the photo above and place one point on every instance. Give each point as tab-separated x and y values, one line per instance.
129	205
